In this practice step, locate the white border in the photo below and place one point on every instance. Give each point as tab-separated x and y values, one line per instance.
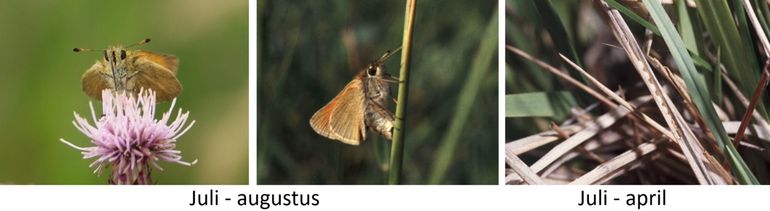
411	197
501	92
253	92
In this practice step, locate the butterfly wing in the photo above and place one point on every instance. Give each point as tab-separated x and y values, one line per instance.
170	62
342	118
347	119
157	72
93	81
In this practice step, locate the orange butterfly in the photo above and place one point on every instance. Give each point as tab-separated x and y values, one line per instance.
361	105
123	70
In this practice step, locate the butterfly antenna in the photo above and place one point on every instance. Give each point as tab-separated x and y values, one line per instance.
78	50
141	42
388	54
82	50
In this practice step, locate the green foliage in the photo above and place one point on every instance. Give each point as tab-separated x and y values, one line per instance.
718	21
559	36
539	104
472	88
696	85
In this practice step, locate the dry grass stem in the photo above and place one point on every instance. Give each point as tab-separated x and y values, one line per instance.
523	170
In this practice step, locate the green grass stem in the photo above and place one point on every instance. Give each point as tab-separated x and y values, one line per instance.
397	147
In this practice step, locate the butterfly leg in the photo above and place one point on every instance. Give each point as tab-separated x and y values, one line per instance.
392	79
109	78
132	74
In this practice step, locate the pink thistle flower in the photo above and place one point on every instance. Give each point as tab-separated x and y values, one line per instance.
128	139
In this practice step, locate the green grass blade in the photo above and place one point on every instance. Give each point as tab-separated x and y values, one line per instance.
479	68
515	33
693	41
687	29
696	86
739	60
539	104
716	77
630	14
762	12
694	52
562	40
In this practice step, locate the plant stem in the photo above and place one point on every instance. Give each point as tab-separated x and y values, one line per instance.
397	147
750	109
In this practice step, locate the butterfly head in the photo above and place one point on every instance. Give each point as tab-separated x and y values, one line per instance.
115	55
376	68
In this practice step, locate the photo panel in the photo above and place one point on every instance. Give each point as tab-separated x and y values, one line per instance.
330	86
645	92
154	92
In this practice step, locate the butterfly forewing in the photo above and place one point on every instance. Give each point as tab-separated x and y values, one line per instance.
347	119
156	76
93	83
170	62
320	123
342	119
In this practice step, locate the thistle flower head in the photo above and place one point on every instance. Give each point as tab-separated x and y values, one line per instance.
128	139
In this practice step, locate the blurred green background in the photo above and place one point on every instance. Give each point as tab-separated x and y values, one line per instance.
40	84
309	50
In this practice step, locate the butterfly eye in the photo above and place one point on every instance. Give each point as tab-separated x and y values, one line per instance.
122	54
372	71
106	57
